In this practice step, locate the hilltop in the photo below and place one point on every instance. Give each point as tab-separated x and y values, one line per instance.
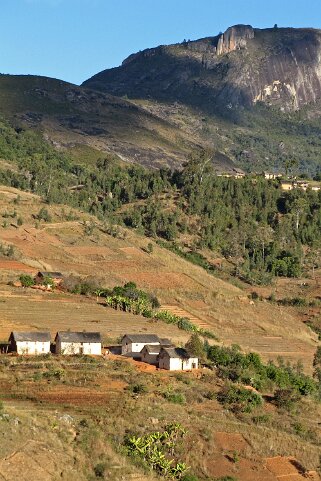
250	97
90	124
278	66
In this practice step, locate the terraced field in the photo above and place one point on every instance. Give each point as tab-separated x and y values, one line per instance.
26	309
183	288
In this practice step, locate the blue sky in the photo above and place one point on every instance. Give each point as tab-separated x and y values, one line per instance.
74	39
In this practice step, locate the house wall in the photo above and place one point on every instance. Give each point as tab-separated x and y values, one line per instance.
128	346
177	364
32	347
150	358
286	186
70	348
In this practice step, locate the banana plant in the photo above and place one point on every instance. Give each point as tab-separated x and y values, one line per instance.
178	470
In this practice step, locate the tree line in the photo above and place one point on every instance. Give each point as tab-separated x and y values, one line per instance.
262	230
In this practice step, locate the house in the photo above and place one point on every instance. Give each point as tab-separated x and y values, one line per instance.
271	175
69	343
41	277
150	354
287	185
32	343
132	344
302	184
176	359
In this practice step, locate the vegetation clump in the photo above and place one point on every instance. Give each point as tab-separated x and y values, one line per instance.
239	399
261	230
249	369
157	450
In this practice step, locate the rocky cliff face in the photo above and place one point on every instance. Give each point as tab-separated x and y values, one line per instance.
234	38
238	68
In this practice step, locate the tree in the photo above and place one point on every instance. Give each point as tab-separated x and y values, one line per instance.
264	236
313	256
195	346
298	207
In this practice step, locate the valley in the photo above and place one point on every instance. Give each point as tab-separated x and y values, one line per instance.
191	173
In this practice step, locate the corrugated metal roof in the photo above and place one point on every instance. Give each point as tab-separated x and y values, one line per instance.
143	338
50	274
68	336
176	352
152	349
30	336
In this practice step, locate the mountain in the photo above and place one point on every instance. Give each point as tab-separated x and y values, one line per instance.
279	66
72	117
248	97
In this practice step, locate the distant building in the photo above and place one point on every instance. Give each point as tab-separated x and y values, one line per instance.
69	343
235	173
132	344
297	184
30	343
271	175
287	185
301	184
150	354
176	359
57	277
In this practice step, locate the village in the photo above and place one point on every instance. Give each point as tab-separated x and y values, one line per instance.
146	348
286	182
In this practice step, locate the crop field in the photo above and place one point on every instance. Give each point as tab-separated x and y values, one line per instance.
63	245
27	309
75	403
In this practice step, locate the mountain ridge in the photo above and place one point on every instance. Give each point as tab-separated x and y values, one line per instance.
235	69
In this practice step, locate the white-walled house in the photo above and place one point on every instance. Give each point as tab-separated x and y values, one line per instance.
69	343
176	359
132	344
30	343
150	354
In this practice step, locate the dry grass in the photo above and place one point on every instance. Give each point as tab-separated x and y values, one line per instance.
218	443
226	310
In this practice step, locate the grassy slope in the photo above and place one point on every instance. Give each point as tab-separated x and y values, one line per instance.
159	133
63	245
37	394
101	409
73	117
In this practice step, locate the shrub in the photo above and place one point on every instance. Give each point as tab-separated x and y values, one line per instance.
44	215
99	470
26	280
138	389
48	281
239	399
175	397
189	477
286	398
261	419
